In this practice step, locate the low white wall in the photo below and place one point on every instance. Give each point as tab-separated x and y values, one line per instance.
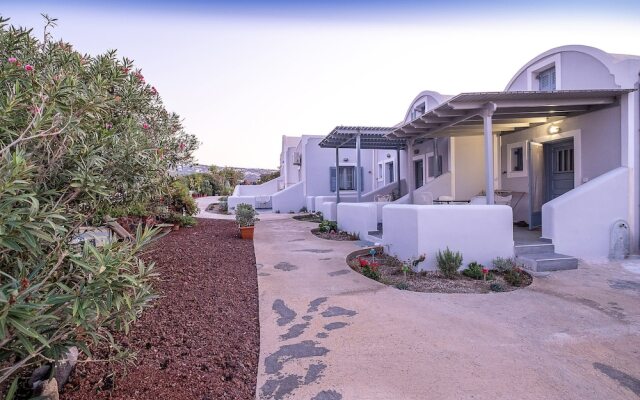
579	222
233	201
360	218
479	232
289	200
318	200
310	203
265	189
329	210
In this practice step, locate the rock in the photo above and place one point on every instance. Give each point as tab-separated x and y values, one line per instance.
50	390
65	365
38	375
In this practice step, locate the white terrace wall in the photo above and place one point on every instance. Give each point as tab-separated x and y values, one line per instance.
360	218
264	189
579	222
479	232
290	199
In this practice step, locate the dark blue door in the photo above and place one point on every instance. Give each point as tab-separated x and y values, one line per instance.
560	166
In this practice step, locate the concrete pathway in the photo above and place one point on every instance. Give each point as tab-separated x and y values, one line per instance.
327	332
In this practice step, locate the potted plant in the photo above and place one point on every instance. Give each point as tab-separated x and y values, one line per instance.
246	219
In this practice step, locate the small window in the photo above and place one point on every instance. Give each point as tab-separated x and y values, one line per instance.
547	80
380	172
347	178
418	111
516	160
390	172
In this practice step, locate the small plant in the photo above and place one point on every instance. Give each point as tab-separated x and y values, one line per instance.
223	206
406	268
449	262
369	269
473	271
246	215
514	277
402	286
328	226
503	265
186	221
303	210
277	211
353	235
496	287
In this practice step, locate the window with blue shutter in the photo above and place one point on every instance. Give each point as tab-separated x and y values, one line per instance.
547	80
332	178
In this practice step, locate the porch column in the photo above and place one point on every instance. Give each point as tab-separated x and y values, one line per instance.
411	180
487	114
337	175
358	169
398	168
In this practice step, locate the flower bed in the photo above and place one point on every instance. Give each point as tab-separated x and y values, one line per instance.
333	235
308	217
391	271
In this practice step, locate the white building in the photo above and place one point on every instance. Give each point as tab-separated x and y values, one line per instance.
558	149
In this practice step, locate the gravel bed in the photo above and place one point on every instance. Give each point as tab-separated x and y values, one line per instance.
200	340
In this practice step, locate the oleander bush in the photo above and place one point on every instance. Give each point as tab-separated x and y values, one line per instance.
79	135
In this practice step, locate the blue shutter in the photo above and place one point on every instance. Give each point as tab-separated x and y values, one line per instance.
361	179
332	178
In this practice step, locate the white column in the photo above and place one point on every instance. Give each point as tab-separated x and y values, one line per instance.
358	168
410	172
337	175
487	114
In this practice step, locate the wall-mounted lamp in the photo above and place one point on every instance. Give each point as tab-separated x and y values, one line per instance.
345	159
388	155
553	129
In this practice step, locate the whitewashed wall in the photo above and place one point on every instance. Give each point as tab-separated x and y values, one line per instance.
479	232
289	199
360	218
579	222
233	201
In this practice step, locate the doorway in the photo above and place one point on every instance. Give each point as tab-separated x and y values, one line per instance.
559	165
551	174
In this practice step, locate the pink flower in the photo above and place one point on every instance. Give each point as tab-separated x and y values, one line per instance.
28	67
153	90
485	271
108	126
145	125
12	60
182	146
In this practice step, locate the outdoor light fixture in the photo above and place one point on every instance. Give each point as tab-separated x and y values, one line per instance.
388	155
553	129
345	159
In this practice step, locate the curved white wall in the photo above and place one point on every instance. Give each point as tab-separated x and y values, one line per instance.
289	200
360	218
579	221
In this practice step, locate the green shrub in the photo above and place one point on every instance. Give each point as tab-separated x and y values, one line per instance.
503	264
180	199
402	286
303	210
514	277
79	135
449	262
223	206
246	215
370	272
474	271
328	226
496	287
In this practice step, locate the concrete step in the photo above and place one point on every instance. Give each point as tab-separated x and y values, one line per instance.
533	248
542	262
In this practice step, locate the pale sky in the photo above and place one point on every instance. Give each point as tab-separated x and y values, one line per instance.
243	73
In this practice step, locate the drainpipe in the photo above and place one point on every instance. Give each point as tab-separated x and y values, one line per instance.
487	114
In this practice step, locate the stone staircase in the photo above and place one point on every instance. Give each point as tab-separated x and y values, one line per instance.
541	257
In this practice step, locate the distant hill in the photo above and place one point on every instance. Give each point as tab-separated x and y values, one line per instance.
251	175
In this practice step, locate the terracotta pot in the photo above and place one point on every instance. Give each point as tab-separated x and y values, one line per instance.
247	232
176	227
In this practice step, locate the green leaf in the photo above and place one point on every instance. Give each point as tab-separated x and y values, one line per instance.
13	389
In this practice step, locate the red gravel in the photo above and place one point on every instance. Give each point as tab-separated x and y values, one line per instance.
201	338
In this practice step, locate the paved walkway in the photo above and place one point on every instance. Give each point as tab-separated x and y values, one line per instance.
327	332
